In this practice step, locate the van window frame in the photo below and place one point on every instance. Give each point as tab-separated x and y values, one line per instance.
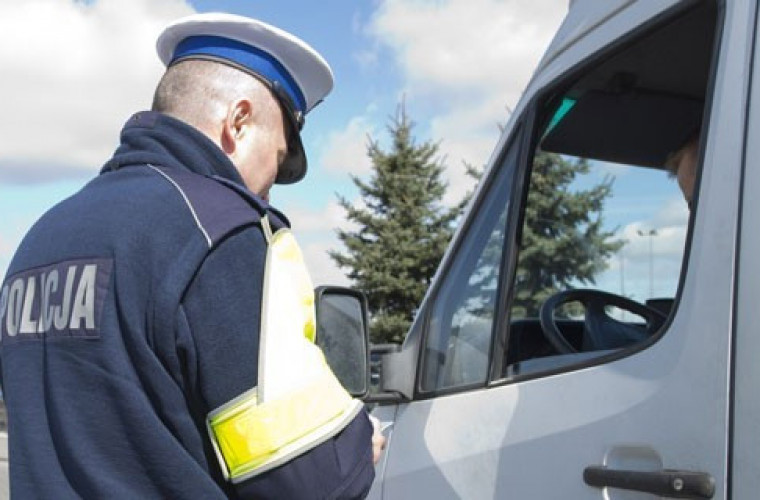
517	139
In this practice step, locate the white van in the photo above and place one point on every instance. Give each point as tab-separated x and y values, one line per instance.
601	341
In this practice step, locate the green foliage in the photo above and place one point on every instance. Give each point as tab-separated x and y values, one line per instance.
562	242
403	229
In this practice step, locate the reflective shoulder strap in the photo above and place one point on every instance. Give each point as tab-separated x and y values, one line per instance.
298	403
251	438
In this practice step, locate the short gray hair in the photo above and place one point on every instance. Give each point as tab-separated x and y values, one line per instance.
198	91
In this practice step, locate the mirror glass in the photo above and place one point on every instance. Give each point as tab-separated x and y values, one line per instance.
341	335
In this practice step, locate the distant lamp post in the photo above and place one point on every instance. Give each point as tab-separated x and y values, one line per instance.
651	234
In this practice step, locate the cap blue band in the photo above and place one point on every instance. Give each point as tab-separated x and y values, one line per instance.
252	58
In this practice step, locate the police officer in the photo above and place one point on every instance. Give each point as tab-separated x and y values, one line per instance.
153	345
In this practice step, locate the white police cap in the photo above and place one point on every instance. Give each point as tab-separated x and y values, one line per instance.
297	75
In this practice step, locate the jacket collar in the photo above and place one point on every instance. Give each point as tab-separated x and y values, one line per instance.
158	139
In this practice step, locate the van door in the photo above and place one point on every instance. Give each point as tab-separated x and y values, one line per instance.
577	340
745	458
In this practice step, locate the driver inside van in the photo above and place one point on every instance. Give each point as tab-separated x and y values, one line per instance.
683	165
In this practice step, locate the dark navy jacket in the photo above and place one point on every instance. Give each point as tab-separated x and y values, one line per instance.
129	312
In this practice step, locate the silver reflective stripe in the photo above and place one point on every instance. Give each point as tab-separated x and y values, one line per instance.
84	301
61	312
15	303
324	434
267	228
28	325
230	404
187	202
318	437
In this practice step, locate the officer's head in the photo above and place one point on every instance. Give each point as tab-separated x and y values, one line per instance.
247	85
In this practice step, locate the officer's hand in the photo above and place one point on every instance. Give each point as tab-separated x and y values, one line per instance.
378	440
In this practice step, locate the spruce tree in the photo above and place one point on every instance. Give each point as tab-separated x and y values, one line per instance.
404	229
563	243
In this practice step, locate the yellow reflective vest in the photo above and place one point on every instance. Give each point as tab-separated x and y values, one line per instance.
298	402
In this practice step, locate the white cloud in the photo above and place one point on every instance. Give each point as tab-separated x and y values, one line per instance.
669	224
674	213
366	58
346	150
309	223
667	241
321	267
468	61
468	135
76	71
316	233
468	45
646	257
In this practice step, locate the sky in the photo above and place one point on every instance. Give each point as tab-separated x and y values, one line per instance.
646	210
73	71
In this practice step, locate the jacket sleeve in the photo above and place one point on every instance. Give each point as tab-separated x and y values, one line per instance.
219	334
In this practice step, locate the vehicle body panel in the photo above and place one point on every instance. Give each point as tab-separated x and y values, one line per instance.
664	406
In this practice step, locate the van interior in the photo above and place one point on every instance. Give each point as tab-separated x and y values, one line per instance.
613	125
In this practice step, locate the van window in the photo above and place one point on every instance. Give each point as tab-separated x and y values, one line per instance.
604	224
457	349
602	220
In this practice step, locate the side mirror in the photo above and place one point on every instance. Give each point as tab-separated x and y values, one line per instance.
343	336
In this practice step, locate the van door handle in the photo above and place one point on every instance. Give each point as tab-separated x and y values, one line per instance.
665	483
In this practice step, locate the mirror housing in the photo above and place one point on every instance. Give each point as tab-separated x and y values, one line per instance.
343	336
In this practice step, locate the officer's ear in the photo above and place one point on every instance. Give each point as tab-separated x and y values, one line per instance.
237	123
